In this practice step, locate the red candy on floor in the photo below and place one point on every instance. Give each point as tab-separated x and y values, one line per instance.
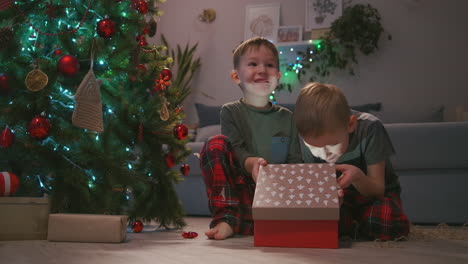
189	234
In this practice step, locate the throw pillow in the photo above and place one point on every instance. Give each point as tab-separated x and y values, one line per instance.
207	115
204	133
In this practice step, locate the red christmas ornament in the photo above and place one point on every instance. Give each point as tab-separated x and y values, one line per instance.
180	131
159	87
8	183
145	30
6	138
166	75
68	65
106	28
4	87
141	6
58	52
170	160
185	169
143	42
189	234
137	226
39	127
179	109
141	68
139	37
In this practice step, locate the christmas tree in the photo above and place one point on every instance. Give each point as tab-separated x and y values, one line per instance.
88	112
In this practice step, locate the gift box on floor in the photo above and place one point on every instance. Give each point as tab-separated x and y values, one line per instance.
296	205
23	218
87	228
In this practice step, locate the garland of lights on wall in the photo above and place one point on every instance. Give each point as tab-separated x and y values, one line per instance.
356	32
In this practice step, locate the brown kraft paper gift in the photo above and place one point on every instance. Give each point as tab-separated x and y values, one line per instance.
87	228
23	218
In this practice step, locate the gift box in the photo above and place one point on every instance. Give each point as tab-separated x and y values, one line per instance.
23	218
296	205
87	228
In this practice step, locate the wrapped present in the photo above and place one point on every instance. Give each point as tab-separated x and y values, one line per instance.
23	218
87	228
296	205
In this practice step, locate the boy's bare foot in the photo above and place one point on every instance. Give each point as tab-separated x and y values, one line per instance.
220	231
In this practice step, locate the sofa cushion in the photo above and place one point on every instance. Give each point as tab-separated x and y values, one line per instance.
429	145
203	133
208	115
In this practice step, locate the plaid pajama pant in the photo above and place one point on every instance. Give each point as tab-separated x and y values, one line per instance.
230	193
382	218
230	197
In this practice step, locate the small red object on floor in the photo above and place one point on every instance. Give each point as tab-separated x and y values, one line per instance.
137	226
189	234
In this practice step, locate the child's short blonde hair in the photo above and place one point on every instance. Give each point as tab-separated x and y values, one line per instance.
254	43
321	108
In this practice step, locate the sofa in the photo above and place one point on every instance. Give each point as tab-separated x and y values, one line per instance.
431	160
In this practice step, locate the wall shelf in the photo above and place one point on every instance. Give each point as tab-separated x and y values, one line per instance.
295	44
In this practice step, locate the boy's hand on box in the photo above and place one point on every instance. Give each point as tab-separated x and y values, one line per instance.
340	196
256	167
349	175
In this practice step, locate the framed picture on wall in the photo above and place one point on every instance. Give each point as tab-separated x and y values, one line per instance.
289	34
322	13
262	21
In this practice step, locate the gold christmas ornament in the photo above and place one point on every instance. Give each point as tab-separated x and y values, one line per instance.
36	80
164	113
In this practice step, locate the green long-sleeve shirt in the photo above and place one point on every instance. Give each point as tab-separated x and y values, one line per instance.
268	133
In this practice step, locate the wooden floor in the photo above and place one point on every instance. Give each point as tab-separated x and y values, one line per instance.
168	247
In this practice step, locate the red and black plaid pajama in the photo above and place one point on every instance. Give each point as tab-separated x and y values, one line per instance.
230	193
381	218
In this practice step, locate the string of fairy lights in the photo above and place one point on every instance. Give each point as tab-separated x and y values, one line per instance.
291	61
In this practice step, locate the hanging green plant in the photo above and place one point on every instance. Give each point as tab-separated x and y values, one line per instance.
357	30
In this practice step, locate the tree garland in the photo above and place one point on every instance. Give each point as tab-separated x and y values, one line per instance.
50	6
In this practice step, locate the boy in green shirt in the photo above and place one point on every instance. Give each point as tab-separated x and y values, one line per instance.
254	132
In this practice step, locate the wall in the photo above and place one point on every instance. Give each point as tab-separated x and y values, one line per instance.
421	68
